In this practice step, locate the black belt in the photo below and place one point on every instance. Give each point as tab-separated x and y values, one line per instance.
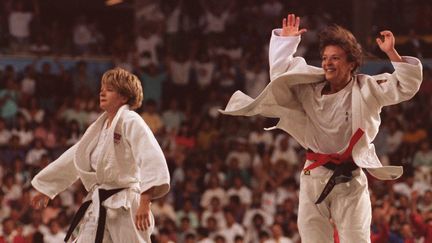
103	195
341	173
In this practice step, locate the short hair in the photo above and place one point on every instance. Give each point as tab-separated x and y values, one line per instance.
126	84
339	36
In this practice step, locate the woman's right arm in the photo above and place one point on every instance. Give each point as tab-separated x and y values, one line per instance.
55	178
283	45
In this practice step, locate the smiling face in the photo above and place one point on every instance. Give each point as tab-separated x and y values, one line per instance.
336	66
110	100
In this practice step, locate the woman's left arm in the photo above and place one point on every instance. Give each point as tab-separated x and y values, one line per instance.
142	217
387	45
154	177
404	82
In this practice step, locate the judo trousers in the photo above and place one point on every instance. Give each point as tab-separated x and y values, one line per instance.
119	226
348	205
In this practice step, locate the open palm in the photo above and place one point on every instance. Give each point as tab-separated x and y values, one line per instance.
290	26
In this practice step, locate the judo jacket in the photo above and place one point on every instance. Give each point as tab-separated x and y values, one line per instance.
369	95
131	159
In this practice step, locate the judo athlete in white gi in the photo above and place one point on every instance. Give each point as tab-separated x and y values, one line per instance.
120	164
334	113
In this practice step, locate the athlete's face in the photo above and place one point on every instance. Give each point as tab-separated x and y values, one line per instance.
336	67
110	100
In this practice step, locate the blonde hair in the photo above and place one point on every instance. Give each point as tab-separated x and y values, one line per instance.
126	84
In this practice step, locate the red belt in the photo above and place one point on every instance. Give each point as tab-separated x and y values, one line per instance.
322	159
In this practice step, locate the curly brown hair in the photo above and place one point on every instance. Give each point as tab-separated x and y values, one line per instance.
126	84
339	36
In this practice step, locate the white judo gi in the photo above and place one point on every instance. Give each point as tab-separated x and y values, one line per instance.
348	203
132	159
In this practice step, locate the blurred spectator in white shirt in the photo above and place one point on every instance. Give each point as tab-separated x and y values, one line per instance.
55	234
82	36
19	25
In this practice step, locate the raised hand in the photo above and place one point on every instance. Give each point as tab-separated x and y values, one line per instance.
387	42
290	26
387	45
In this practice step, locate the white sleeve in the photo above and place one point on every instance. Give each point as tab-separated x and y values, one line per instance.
281	51
149	156
399	86
58	175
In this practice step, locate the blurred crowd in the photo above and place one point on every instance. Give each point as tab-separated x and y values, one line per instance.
232	181
179	26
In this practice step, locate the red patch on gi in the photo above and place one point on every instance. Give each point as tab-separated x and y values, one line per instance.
117	137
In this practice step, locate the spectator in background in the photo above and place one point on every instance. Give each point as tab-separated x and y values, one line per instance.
256	226
55	234
9	73
216	16
83	80
414	134
11	189
380	228
9	98
240	190
5	133
207	135
75	112
261	139
173	116
204	69
394	138
171	10
241	153
185	230
23	131
283	151
32	112
185	137
213	211
19	26
28	83
421	221
152	117
423	157
36	225
409	185
12	150
256	78
82	36
424	205
147	44
153	79
203	236
73	132
5	207
225	76
162	209
278	235
46	87
22	174
232	229
179	68
188	211
11	232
